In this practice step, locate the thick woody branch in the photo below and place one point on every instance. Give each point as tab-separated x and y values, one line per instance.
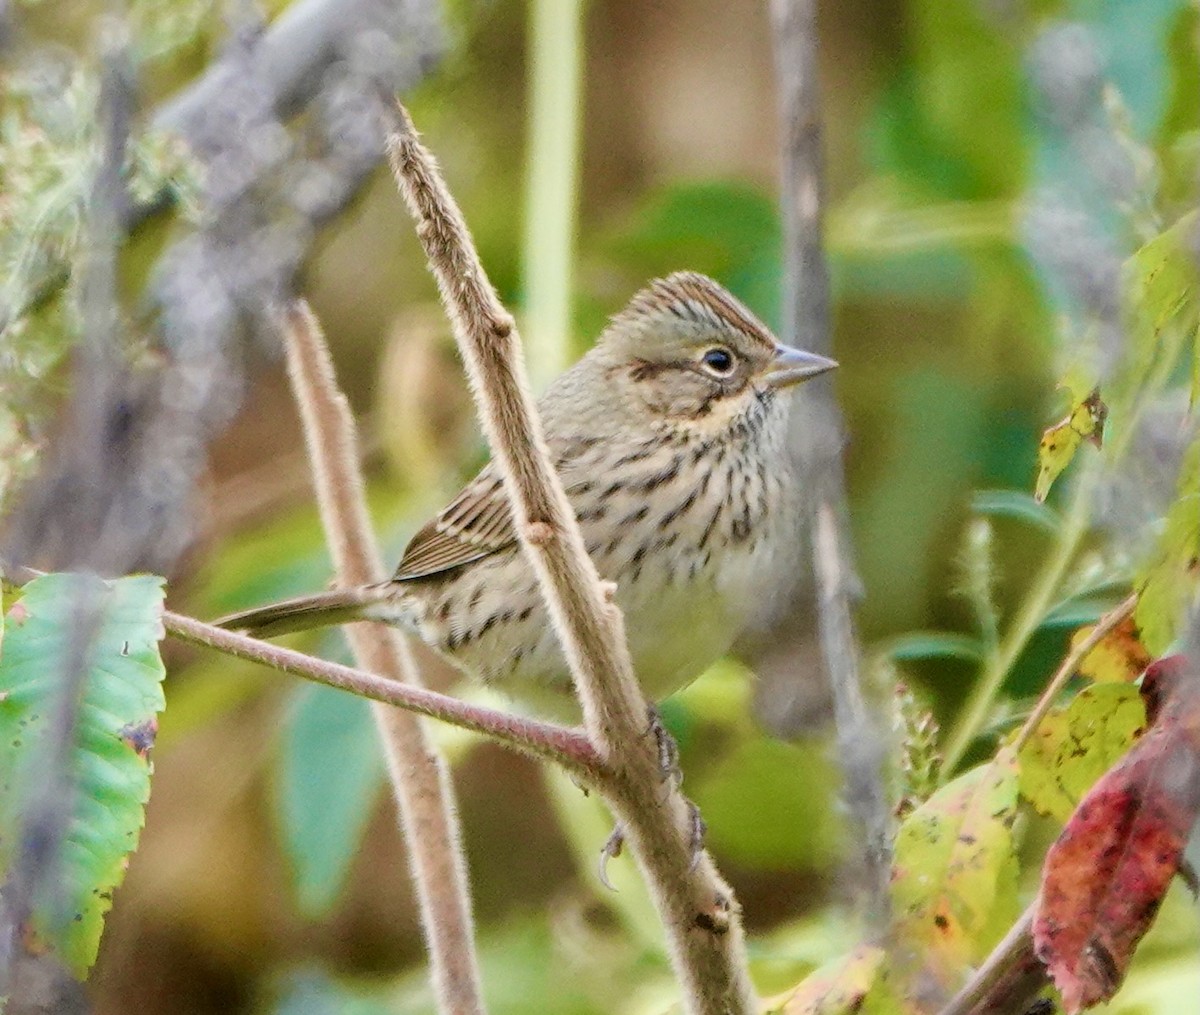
818	436
419	775
568	747
697	908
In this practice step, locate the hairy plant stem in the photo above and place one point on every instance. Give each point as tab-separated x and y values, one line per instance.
698	910
561	744
418	773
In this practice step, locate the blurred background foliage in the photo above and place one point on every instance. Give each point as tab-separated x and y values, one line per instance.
270	876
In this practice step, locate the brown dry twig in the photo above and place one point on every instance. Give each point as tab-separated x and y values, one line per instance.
561	744
697	908
417	771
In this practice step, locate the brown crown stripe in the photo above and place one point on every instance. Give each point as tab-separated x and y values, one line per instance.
698	299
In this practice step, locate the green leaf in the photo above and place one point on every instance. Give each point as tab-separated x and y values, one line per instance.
329	775
1073	747
1165	586
1018	505
109	763
934	645
954	876
1161	298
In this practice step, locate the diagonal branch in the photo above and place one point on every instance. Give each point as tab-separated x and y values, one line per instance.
696	907
418	772
568	747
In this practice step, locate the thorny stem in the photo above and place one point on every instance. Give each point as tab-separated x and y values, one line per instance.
698	911
417	771
568	747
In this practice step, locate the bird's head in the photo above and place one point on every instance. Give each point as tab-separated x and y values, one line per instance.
694	356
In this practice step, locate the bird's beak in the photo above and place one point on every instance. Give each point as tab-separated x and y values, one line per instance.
791	366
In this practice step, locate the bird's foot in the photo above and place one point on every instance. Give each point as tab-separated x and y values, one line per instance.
668	749
612	848
697	828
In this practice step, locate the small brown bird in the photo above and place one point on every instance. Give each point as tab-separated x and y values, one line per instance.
670	439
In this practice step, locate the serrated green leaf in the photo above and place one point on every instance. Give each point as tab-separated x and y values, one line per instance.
1074	746
329	776
934	645
954	875
109	763
1018	505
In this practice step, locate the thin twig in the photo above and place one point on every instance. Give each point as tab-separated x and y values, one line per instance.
1104	626
699	914
817	431
568	747
419	774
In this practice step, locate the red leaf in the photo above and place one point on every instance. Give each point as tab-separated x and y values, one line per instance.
1106	875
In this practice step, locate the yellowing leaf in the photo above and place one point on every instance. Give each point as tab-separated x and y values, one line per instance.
1167	584
954	877
839	987
1059	443
1072	747
1120	657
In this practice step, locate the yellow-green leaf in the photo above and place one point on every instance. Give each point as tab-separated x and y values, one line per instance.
851	984
954	877
1161	294
1073	746
1166	585
1120	657
1059	443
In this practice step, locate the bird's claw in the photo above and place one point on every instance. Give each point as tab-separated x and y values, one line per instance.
668	749
698	828
610	849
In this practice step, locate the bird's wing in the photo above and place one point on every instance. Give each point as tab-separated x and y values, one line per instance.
475	524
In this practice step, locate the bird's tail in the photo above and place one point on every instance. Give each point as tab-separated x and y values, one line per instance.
304	613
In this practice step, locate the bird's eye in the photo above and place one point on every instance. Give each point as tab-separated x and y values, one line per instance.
718	361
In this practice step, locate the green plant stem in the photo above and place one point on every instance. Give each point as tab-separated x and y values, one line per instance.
1033	611
556	47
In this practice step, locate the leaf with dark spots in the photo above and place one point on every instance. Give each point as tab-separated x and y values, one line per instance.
1106	876
840	987
1074	746
1085	422
954	877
